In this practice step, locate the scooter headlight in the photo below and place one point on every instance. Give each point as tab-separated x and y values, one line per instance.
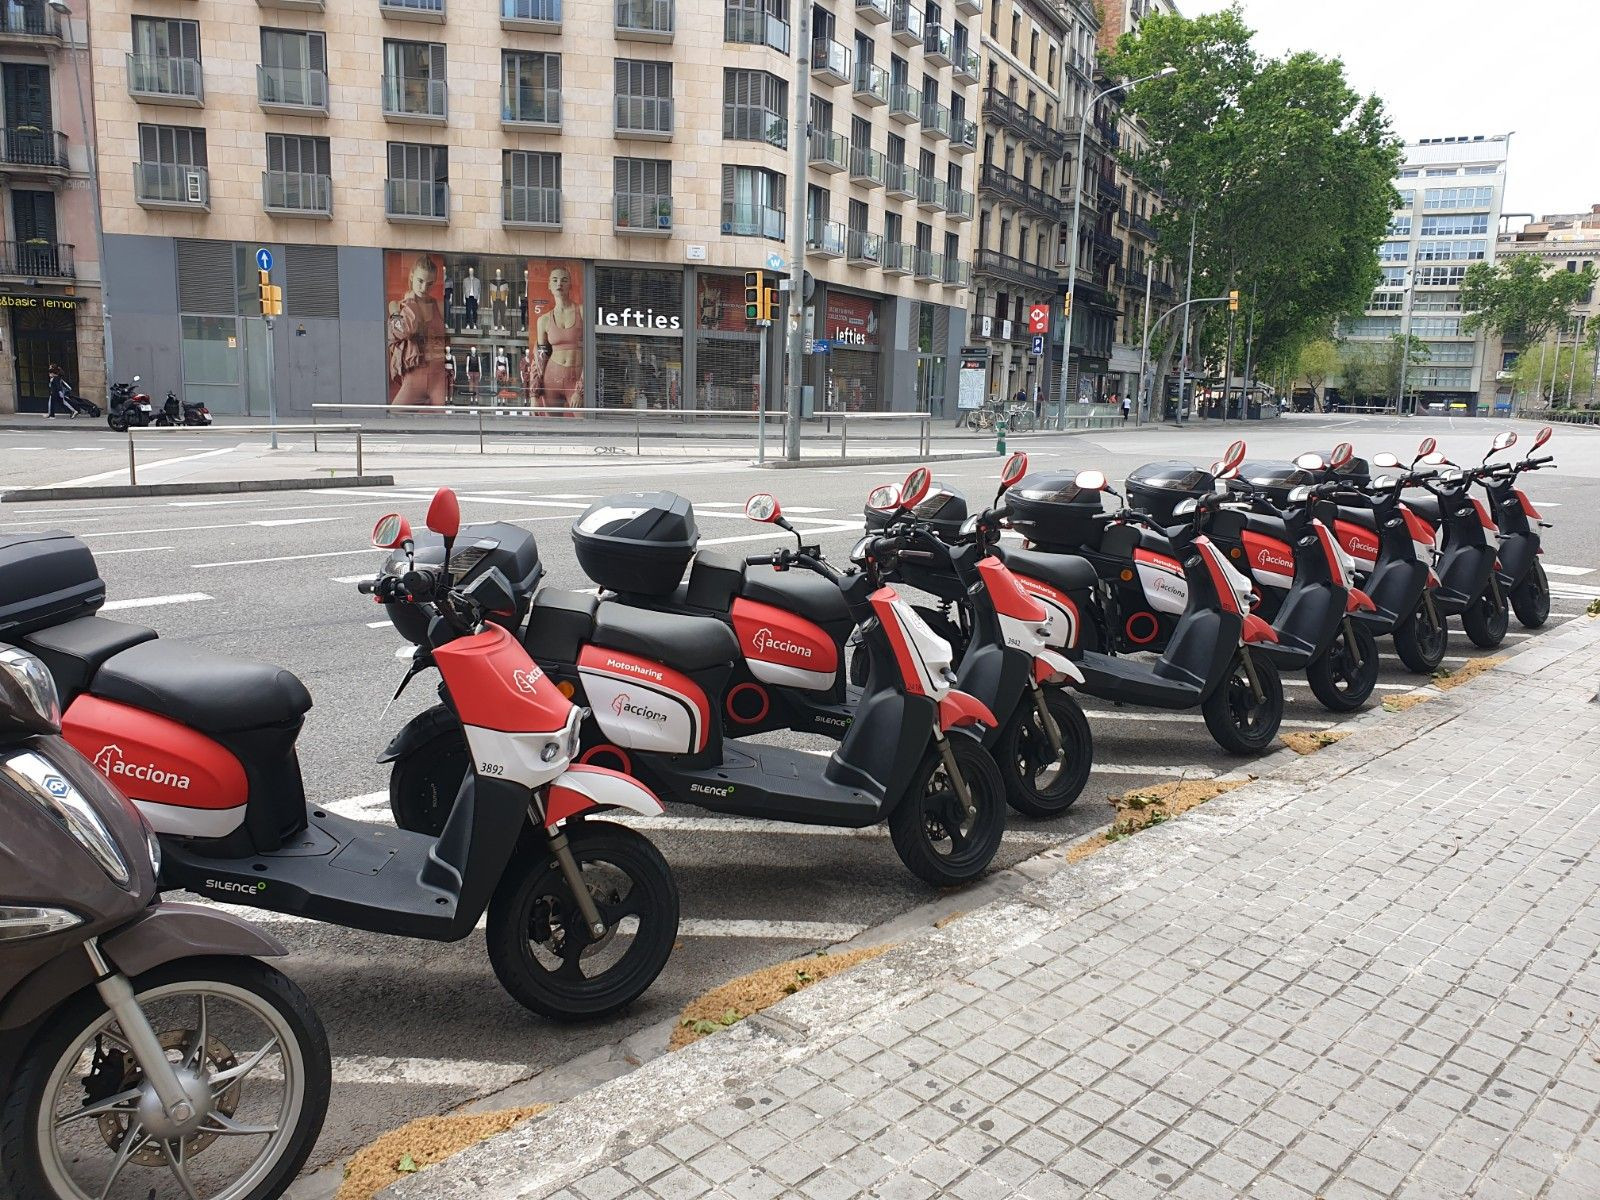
39	780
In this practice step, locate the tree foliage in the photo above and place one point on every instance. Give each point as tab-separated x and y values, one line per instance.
1519	299
1317	361
1282	166
1546	376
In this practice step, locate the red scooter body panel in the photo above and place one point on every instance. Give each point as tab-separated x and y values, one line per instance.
773	635
1359	543
642	704
1010	599
1057	599
154	759
495	685
1270	560
1527	505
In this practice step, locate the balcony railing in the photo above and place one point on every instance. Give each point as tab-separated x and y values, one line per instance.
757	125
29	148
963	135
957	273
936	45
970	8
416	200
1106	244
828	151
931	192
874	12
292	89
29	21
755	29
165	185
1142	226
753	220
297	194
825	239
406	98
645	20
905	23
960	204
166	80
866	166
530	107
901	180
897	258
830	61
1003	110
525	207
642	212
992	262
968	65
995	179
37	259
935	119
413	10
872	84
929	266
537	16
905	103
644	116
863	247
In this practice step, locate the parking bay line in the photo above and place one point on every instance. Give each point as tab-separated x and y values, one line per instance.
1558	569
154	601
251	562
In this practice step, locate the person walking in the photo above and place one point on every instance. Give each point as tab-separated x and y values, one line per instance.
60	392
1127	407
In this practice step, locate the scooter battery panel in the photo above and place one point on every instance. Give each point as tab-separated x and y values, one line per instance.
784	649
1062	608
183	782
1270	561
644	705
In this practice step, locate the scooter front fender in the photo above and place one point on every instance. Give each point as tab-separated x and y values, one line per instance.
583	788
416	732
1052	668
958	710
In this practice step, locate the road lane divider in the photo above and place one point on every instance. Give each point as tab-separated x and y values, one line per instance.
154	601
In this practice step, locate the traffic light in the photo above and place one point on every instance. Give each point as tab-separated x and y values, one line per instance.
271	296
771	305
1066	307
1233	301
754	296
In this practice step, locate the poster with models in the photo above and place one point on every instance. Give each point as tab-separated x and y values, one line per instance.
555	320
415	329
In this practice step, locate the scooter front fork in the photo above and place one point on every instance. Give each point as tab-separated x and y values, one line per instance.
1250	674
562	849
1433	611
1048	720
947	755
116	993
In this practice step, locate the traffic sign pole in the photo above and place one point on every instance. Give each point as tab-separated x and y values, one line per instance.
270	306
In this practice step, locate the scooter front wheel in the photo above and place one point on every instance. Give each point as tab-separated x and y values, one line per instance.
1421	640
1038	783
1240	723
1488	618
545	955
1531	600
937	839
1343	677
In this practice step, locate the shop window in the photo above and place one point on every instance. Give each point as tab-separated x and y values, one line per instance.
210	349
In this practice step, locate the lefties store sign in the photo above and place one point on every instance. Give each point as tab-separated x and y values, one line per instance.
851	321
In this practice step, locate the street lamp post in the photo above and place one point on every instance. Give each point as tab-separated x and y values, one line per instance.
61	8
1077	216
1405	342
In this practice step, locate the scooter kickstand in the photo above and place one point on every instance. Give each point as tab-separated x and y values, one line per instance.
562	849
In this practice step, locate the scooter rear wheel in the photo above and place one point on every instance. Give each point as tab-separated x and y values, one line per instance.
1342	679
1488	618
1036	784
1421	640
1239	722
1531	600
936	840
544	954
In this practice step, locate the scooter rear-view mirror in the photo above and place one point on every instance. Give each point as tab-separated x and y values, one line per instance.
915	487
884	498
1385	459
1503	440
1342	453
1542	437
1233	456
763	507
1091	481
391	532
1434	459
1310	462
1014	469
444	514
1426	447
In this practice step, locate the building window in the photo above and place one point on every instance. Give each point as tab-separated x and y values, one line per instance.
752	202
166	58
639	338
419	181
757	23
1400	226
530	87
1408	197
414	79
1451	352
643	190
1439	276
1457	197
294	68
1455	226
753	107
172	164
210	349
644	96
1483	169
299	173
1448	250
1391	252
1371	327
1433	327
530	187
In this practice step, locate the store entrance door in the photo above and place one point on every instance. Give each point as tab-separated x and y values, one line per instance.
43	336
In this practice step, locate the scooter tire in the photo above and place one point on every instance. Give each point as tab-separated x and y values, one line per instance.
1531	599
1024	750
921	821
118	423
1485	621
531	898
1343	677
1421	642
1238	723
24	1171
423	785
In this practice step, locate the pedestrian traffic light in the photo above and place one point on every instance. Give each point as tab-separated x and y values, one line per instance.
1233	301
770	304
271	296
754	296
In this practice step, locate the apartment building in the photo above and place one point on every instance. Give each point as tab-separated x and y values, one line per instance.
1563	242
1118	17
551	200
49	267
1451	192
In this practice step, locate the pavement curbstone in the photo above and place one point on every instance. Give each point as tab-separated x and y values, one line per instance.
216	487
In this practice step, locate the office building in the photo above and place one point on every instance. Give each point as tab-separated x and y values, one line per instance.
1563	242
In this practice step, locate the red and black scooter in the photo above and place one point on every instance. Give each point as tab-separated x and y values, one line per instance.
1519	573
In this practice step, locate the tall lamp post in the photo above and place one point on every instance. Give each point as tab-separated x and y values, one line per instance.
61	8
1077	216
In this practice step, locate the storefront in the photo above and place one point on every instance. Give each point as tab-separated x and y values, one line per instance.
638	338
727	349
853	365
43	330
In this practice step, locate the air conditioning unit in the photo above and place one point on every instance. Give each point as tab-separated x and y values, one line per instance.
195	182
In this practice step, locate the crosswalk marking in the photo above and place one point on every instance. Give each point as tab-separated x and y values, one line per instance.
1558	569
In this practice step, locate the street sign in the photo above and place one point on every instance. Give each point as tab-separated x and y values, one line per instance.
775	262
1038	319
821	346
1037	348
264	259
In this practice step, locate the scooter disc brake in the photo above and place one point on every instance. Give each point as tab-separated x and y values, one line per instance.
549	926
114	1126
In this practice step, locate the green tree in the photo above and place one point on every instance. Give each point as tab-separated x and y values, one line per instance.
1413	352
1318	360
1360	371
1519	300
1284	169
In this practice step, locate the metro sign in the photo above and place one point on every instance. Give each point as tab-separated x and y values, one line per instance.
1038	318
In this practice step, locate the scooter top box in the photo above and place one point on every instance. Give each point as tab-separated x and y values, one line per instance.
1159	487
1050	509
45	579
1274	478
478	549
944	508
636	542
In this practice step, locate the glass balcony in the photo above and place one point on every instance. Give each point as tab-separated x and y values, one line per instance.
901	180
830	61
31	150
414	100
420	200
935	120
162	79
644	117
413	10
969	8
752	220
524	207
957	274
897	258
936	46
963	135
872	84
959	204
968	65
828	151
530	107
37	258
931	192
825	239
535	16
905	23
165	185
874	12
292	90
905	103
863	247
294	5
755	29
866	166
645	20
296	194
929	266
642	213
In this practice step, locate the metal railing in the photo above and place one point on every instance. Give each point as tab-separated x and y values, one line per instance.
427	10
828	149
874	12
957	273
845	417
872	84
905	23
30	146
534	207
897	258
642	212
651	19
963	135
168	185
825	238
523	105
864	247
416	200
959	204
905	102
158	432
929	265
752	220
534	14
408	96
992	262
995	179
937	45
866	165
935	118
292	87
163	77
749	28
644	116
932	192
968	64
901	180
32	257
297	192
30	20
830	59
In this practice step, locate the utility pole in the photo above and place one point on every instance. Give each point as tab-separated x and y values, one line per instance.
1250	345
1405	343
1188	295
1144	351
1577	344
800	135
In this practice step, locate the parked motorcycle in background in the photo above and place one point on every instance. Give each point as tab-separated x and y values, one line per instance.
174	413
128	408
147	1051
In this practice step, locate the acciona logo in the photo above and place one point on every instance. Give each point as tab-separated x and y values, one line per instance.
1270	560
625	706
527	681
632	668
1361	549
764	640
111	763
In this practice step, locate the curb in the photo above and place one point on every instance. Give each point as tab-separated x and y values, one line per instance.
879	460
216	487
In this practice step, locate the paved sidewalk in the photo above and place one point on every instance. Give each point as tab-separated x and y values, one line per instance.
1374	974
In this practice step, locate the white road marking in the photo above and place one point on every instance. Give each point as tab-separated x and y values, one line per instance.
800	931
1574	591
251	562
350	578
144	466
1449	658
380	624
1556	569
1100	714
204	528
131	550
1182	771
559	495
828	527
430	1072
1382	687
154	601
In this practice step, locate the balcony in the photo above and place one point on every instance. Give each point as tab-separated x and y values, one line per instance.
936	46
931	192
969	8
935	119
748	28
963	135
166	185
757	125
296	194
830	61
753	220
645	20
959	204
873	12
897	258
37	258
872	85
829	152
901	180
293	5
929	266
825	239
162	79
30	150
295	90
866	166
957	274
643	117
1142	226
968	65
420	200
29	23
864	248
1105	244
642	213
905	23
524	207
1003	110
531	16
992	262
530	109
994	179
905	103
431	11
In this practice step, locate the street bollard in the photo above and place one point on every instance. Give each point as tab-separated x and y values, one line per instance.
1000	436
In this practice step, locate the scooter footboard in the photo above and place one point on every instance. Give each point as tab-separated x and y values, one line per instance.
1463	574
885	742
1307	624
1395	587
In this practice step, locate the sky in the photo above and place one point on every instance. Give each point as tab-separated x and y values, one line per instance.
1465	67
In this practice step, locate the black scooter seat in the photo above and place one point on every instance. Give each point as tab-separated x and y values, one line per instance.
1363	517
75	650
1269	526
798	591
1065	571
204	691
688	643
1426	507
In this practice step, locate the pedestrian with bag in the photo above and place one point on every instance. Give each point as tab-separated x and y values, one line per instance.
60	392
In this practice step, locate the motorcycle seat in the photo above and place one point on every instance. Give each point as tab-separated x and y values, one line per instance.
1272	527
688	643
209	692
797	591
75	650
1068	572
1358	516
1425	506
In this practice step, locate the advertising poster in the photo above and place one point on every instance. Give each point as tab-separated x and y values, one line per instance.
415	329
719	304
555	321
851	320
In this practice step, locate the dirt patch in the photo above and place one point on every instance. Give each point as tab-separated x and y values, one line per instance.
749	994
1445	680
1310	743
421	1143
1143	807
1403	702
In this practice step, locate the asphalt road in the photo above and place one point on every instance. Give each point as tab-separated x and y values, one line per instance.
419	1027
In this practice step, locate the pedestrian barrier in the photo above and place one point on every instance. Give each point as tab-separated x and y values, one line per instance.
176	430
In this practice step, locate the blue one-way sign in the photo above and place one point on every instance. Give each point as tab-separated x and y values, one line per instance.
821	346
264	259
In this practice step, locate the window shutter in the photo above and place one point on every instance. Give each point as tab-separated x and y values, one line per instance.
205	277
311	281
